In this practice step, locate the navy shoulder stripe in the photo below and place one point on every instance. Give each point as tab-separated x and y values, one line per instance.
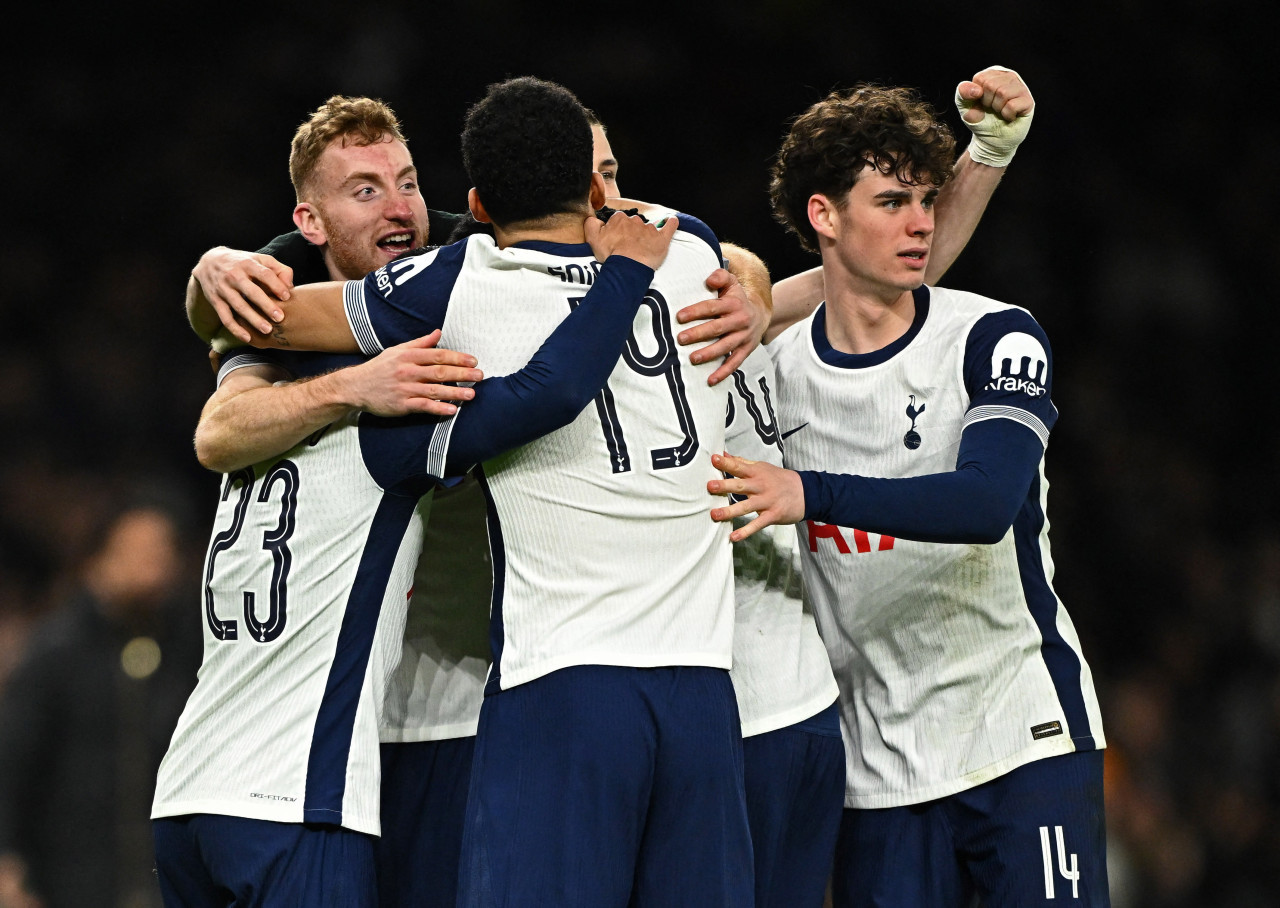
691	225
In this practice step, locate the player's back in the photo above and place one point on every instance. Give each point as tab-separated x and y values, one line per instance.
306	581
603	552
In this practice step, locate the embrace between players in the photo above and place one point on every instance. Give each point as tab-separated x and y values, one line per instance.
584	694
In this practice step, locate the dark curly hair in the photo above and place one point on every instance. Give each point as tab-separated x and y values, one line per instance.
831	143
527	149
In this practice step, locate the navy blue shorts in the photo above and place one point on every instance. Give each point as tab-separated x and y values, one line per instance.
424	804
607	787
1034	836
211	861
795	797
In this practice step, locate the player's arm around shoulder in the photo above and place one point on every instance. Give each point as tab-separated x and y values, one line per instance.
734	322
231	284
313	318
794	299
238	426
258	412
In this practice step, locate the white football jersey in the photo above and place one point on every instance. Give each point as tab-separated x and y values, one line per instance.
436	691
781	673
603	550
956	663
304	609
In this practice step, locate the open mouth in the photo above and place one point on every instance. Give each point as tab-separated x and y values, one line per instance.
397	243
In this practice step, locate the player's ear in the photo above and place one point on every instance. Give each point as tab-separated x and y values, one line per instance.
477	207
310	224
823	215
599	194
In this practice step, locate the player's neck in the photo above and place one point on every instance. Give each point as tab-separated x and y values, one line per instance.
863	322
335	269
556	228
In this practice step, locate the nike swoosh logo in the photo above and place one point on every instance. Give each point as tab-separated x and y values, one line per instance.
788	434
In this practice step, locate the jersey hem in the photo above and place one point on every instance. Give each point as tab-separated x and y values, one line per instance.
509	680
778	720
971	780
370	825
431	733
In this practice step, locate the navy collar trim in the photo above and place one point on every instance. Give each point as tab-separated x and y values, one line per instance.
834	357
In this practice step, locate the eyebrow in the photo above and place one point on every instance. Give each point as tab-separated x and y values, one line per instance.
608	162
365	176
904	194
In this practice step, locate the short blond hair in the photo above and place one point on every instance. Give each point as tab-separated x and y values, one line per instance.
359	121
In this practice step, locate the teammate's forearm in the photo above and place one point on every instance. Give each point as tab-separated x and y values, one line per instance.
975	504
262	423
959	209
793	299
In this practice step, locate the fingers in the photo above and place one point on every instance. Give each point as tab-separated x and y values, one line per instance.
460	366
732	363
734	465
631	236
731	512
231	322
748	530
440	374
267	277
282	272
424	352
427	340
712	308
448	392
723	515
246	307
719	320
251	303
247	284
1002	92
719	279
999	118
735	326
437	408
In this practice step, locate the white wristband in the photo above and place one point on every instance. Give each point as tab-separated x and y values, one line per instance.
994	139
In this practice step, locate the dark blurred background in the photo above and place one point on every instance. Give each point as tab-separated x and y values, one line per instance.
1138	223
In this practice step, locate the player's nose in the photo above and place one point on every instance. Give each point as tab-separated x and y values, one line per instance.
921	221
398	208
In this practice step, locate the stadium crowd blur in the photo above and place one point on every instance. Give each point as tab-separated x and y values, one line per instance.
1127	225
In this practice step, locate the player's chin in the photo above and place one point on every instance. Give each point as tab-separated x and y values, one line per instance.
908	278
